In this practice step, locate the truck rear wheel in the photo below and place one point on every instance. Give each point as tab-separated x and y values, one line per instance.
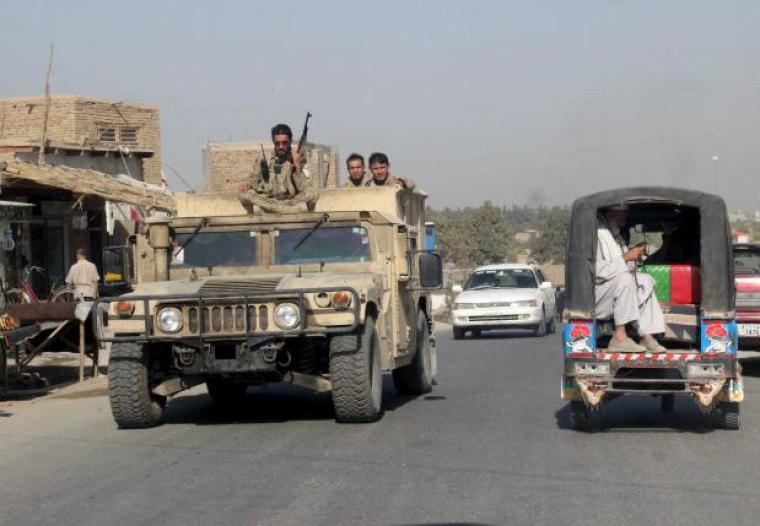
356	375
580	418
458	333
729	412
417	377
225	393
133	405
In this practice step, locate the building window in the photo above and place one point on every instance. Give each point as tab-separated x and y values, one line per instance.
128	135
107	134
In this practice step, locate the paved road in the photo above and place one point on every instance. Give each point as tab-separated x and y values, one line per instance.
490	446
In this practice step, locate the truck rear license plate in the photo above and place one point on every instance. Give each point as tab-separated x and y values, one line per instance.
751	330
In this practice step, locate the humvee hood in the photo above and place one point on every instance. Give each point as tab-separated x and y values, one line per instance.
256	284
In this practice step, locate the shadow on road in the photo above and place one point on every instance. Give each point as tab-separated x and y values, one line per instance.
277	404
643	415
500	335
751	366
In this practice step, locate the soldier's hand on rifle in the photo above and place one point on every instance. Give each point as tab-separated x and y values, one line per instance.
245	186
297	159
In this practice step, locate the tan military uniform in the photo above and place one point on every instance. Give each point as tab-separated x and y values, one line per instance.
282	182
349	183
392	181
83	276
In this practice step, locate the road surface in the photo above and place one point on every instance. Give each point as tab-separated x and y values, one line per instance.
490	445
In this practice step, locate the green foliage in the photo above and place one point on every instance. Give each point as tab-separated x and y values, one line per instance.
470	237
550	246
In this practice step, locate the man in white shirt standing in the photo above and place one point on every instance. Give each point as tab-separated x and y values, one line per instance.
83	276
622	293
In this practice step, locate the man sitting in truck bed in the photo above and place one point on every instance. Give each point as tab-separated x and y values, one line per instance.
622	293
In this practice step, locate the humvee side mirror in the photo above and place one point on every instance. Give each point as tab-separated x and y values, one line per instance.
431	270
457	289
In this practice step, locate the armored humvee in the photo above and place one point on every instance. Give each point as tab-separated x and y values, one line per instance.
327	299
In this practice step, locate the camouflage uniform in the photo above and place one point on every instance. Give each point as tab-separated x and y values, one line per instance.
282	182
392	181
279	190
349	183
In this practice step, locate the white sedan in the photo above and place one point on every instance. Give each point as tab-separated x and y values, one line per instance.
509	296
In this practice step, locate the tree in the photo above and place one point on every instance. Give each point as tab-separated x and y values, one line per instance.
551	244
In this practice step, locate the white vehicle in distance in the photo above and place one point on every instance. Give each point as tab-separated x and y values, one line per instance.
507	296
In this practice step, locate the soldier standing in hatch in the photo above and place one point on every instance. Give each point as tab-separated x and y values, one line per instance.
381	176
283	177
357	175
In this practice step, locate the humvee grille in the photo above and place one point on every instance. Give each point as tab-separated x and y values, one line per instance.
218	319
239	287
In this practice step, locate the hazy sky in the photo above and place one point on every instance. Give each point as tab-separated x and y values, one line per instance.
517	102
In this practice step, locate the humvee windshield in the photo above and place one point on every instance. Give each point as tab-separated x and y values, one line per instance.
345	244
211	249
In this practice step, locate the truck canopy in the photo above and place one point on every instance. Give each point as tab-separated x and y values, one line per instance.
716	258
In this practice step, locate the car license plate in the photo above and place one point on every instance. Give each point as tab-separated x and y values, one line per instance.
751	330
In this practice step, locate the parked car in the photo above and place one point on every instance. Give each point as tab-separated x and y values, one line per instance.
747	272
507	296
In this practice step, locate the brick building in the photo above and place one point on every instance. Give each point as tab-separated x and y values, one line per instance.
101	170
84	132
227	164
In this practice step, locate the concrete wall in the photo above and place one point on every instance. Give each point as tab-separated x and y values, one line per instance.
75	121
226	165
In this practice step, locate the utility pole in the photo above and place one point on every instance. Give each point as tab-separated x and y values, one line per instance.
715	173
43	142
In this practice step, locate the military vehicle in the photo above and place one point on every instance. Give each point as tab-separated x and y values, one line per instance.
326	298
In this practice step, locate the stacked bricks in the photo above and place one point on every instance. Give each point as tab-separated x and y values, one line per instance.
74	120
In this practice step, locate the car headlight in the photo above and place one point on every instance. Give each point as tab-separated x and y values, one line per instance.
460	305
170	319
287	315
525	303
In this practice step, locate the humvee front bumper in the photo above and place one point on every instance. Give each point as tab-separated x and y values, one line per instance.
223	316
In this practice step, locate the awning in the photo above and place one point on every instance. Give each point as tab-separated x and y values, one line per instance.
121	189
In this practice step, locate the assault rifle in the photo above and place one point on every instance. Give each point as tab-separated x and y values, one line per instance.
302	141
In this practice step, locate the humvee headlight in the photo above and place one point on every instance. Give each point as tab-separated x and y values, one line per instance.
169	319
341	300
287	316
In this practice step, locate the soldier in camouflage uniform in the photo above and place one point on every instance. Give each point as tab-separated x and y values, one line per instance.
357	175
380	168
283	181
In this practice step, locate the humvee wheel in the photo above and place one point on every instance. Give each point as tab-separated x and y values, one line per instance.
730	415
580	418
133	405
225	393
356	375
417	377
458	333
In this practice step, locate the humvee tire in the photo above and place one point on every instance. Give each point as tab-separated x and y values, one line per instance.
356	375
225	393
132	404
417	377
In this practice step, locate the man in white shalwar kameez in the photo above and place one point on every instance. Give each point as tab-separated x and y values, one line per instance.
622	293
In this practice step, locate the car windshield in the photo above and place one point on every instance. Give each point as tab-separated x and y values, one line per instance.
513	278
747	260
345	244
214	249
